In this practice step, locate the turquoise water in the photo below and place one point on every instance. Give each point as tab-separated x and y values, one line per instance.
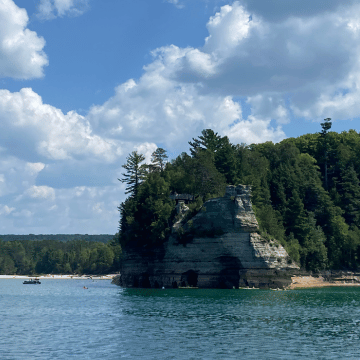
60	320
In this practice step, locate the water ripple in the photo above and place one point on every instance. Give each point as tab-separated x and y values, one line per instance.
61	320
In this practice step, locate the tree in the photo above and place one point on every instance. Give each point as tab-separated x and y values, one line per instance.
135	172
326	126
158	160
155	209
208	140
225	160
295	217
209	182
349	191
314	252
146	219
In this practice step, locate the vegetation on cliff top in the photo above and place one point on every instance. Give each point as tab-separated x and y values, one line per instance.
305	190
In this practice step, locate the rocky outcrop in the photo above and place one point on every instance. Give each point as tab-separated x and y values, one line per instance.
219	247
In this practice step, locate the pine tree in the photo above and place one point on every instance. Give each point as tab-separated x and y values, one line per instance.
295	217
209	182
225	160
158	160
314	252
208	140
135	172
349	191
325	144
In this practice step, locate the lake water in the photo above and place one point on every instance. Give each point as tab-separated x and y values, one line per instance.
60	320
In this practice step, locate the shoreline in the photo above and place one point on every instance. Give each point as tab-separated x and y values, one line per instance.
60	277
309	282
297	281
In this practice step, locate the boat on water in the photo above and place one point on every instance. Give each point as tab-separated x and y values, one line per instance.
32	281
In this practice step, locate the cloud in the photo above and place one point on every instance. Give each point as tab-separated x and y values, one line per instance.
6	210
279	10
177	3
279	64
35	168
255	130
86	210
21	50
14	176
302	63
251	55
30	128
31	207
50	9
162	110
146	149
41	192
274	67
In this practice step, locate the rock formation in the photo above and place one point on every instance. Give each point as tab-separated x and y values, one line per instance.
219	247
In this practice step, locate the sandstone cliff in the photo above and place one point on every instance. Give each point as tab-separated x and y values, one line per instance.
217	248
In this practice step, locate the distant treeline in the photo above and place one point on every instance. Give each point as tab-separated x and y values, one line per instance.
104	238
59	257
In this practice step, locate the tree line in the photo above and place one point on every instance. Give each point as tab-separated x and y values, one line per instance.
26	257
305	190
104	238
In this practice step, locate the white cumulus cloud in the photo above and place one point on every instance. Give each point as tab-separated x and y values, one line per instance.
158	108
21	50
281	63
44	130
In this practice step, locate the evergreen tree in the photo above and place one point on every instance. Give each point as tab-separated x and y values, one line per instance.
314	252
209	182
225	160
349	191
326	126
208	140
158	160
135	172
295	218
155	210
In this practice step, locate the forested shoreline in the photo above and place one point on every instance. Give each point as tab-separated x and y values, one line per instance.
104	238
305	190
27	257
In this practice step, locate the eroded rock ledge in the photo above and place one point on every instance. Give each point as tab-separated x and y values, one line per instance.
222	249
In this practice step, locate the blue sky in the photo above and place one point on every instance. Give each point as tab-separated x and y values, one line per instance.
85	82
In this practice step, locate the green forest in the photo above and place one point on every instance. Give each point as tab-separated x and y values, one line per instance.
305	191
104	238
27	257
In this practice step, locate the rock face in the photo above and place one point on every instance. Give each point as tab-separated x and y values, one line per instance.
218	248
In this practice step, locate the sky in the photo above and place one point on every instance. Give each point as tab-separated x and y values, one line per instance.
83	83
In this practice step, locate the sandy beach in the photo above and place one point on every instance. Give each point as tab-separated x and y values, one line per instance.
57	277
303	282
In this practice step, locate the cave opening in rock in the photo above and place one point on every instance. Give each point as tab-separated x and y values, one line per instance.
145	281
191	278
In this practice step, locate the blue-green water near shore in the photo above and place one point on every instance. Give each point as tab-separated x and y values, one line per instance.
60	320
